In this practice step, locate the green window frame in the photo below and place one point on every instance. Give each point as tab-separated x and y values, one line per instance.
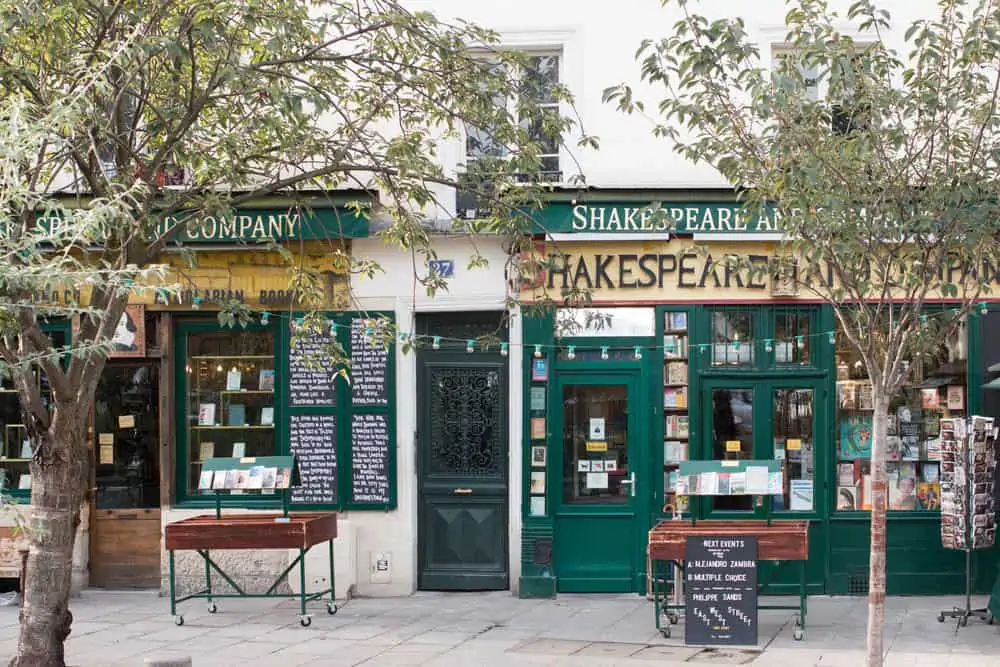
280	326
61	326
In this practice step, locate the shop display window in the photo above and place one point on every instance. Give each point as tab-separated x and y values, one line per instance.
934	389
15	447
230	397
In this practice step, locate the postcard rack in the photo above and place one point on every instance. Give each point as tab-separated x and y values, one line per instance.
968	501
298	531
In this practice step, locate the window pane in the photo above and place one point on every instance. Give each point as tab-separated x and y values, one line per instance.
732	336
540	78
595	443
732	436
793	443
230	387
792	343
126	453
586	322
934	389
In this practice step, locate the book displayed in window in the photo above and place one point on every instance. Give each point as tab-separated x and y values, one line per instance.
206	414
934	392
266	380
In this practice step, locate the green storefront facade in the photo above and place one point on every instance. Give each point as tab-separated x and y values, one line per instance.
675	360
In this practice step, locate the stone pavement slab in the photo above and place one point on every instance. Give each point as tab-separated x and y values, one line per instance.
493	630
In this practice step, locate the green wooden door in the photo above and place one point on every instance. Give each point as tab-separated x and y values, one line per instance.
462	450
765	418
600	482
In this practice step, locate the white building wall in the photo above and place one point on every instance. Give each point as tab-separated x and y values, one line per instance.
598	41
396	289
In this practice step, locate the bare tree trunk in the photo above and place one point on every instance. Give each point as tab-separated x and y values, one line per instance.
876	563
58	489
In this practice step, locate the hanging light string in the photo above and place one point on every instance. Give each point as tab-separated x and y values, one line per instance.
385	330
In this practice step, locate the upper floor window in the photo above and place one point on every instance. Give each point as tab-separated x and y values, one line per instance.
536	81
847	109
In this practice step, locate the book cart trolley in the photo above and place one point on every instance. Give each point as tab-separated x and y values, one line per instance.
782	541
254	531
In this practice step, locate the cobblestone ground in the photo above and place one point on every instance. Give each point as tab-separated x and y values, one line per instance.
494	629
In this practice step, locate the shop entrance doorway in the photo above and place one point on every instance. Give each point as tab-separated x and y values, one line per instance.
596	435
125	510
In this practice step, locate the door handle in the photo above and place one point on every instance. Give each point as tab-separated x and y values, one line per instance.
631	483
463	492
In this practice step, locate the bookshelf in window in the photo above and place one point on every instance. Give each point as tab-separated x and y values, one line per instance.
231	408
676	400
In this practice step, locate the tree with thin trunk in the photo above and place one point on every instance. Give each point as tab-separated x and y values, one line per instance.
124	122
876	146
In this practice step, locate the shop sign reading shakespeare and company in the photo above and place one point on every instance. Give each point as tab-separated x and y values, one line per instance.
630	271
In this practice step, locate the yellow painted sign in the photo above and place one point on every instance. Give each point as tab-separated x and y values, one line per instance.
733	445
793	444
255	277
597	446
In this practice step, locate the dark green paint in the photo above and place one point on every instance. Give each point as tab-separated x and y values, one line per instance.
838	541
462	537
280	327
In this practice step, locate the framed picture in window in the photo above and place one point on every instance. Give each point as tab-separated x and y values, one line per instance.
129	336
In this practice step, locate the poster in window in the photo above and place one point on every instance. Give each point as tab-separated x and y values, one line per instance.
129	337
856	437
956	397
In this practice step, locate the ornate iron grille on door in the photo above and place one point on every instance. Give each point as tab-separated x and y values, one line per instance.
466	422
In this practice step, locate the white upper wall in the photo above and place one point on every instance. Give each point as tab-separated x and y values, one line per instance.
598	41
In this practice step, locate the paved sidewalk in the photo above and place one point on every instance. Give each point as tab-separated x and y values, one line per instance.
494	630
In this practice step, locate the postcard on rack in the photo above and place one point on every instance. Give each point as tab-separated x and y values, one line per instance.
270	479
255	477
219	482
709	483
756	480
205	481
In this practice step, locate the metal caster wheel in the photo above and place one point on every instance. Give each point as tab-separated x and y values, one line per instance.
306	621
673	618
963	621
797	634
212	608
940	618
989	620
178	620
332	608
665	631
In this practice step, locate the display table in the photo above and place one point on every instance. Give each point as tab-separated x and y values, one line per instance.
258	531
781	541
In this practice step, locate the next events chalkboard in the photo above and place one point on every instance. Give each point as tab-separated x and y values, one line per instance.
341	430
720	581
